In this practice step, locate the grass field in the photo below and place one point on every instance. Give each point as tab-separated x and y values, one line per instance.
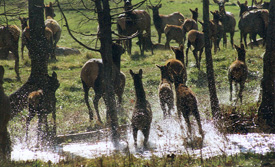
72	113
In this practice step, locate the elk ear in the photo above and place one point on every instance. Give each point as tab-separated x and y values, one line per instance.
212	12
160	5
190	10
158	66
236	47
2	71
131	72
54	75
238	3
181	20
173	49
242	46
245	3
51	4
140	72
196	9
181	47
201	22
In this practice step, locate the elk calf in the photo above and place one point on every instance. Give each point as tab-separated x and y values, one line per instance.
142	115
237	72
166	95
186	101
5	115
43	103
196	39
92	75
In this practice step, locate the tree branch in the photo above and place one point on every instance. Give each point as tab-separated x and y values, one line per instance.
69	31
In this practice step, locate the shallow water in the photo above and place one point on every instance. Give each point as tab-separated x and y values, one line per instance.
166	137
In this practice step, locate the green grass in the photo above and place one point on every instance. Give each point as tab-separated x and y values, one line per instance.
72	113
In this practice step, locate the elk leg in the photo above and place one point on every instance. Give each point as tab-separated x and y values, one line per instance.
196	57
146	132
224	40
135	130
96	99
231	38
241	91
159	33
230	87
197	116
200	56
187	120
22	50
29	118
141	45
86	93
244	36
16	66
186	52
162	105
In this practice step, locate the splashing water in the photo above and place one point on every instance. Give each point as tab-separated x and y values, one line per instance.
166	137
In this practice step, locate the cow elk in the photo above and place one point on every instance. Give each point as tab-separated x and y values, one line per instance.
166	95
196	39
237	72
52	24
186	101
9	40
134	21
142	115
160	21
92	75
26	37
5	114
228	21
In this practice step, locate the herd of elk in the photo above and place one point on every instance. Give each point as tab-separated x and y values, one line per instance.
252	22
175	27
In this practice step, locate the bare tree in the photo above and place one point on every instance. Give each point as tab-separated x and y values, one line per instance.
266	111
209	63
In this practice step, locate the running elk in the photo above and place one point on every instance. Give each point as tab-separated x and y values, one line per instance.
228	22
9	40
177	64
186	101
5	114
52	24
166	95
42	103
237	72
252	22
134	21
142	115
196	39
92	75
160	21
26	37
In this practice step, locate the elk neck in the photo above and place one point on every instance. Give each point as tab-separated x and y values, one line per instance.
140	93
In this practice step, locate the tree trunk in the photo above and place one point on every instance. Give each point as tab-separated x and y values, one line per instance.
39	54
209	63
105	36
266	111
